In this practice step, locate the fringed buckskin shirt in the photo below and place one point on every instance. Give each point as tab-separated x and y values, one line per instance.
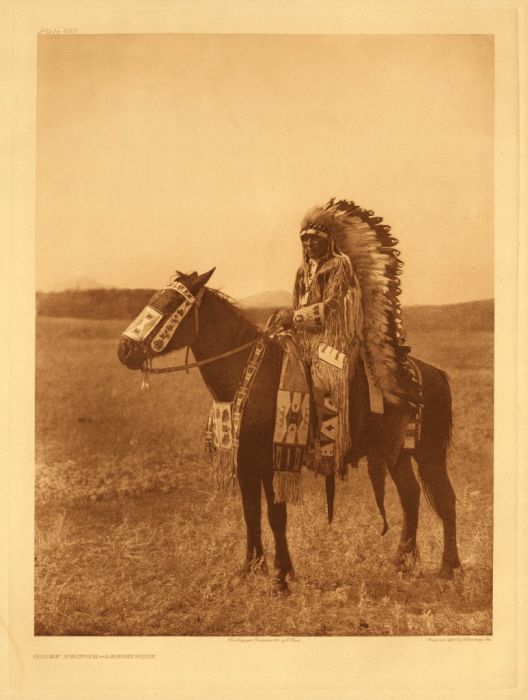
332	282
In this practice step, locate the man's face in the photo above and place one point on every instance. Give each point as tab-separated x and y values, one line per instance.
314	246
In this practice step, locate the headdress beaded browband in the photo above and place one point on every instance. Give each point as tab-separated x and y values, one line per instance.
315	228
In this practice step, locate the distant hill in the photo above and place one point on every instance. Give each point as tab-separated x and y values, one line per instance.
127	303
77	283
470	315
93	303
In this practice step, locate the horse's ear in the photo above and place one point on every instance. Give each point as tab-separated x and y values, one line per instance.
201	281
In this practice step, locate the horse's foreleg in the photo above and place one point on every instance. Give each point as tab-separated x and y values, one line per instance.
409	495
250	489
278	519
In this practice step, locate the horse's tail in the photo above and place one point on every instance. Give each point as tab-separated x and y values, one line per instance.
437	430
447	435
377	471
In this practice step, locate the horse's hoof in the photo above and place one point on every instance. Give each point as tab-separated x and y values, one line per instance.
244	569
260	566
280	587
396	559
405	561
280	584
254	566
447	570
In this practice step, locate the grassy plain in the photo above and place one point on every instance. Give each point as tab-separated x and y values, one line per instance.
131	540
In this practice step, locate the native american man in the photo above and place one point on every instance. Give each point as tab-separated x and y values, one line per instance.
339	345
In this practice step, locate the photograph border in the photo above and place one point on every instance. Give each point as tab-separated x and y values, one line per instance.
411	667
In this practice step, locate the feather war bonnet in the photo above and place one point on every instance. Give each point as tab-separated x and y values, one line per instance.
360	235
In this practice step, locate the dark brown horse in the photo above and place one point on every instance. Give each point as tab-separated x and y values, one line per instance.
212	327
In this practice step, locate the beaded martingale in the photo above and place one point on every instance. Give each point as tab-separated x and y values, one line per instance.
222	434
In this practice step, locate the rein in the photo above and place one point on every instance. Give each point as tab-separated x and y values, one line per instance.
147	365
191	365
149	369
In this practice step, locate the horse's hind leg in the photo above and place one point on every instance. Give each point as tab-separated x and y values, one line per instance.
250	489
278	519
409	495
440	494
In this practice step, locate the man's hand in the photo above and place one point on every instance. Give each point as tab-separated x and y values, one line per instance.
283	317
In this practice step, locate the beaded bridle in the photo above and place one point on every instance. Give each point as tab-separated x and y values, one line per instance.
140	329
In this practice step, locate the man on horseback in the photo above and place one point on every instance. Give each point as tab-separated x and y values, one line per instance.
346	293
351	344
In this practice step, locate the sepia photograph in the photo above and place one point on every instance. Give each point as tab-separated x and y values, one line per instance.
264	335
264	359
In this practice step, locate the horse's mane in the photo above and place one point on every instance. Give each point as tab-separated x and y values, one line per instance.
229	303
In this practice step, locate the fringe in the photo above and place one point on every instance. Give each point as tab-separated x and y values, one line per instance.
287	487
209	449
336	383
223	471
343	321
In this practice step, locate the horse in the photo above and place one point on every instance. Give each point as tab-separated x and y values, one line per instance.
221	337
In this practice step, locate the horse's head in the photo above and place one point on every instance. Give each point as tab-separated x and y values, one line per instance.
168	322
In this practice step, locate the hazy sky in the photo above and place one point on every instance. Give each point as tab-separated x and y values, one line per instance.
157	152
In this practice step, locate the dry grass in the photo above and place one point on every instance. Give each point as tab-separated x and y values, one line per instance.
130	539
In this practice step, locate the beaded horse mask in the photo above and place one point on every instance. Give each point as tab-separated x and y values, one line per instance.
158	322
